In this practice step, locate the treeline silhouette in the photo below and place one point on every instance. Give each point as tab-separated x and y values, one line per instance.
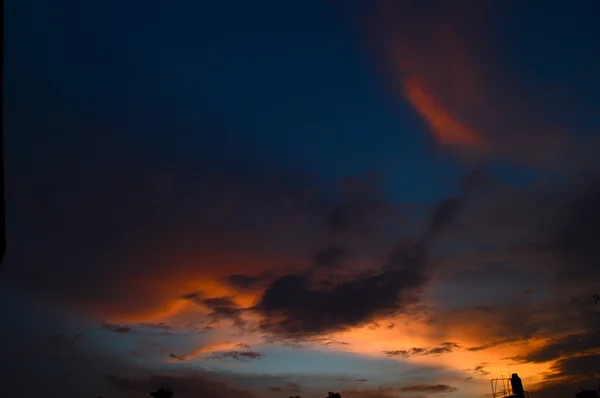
167	393
162	393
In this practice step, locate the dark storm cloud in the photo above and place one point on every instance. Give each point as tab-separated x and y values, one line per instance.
363	210
432	388
444	348
485	308
293	307
243	282
576	368
476	179
330	257
444	213
185	387
359	216
59	340
563	347
219	302
117	328
297	305
493	344
237	355
114	219
179	357
575	239
558	219
122	227
569	375
221	307
549	230
160	325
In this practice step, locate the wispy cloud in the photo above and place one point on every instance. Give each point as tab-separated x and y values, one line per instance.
437	57
237	355
59	340
444	348
117	328
432	388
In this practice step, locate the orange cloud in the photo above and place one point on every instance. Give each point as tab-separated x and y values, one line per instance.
157	295
447	61
478	366
427	54
446	129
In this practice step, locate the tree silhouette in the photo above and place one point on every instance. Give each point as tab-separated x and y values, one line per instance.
333	395
162	393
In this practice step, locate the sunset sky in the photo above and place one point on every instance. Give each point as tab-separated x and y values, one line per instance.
259	199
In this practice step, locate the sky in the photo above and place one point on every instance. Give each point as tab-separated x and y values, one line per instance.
269	199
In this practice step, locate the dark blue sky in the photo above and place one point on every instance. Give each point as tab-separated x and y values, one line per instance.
274	85
175	170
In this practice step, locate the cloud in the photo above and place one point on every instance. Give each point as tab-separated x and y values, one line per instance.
179	357
566	346
149	248
223	304
537	238
293	307
568	375
347	379
237	355
444	348
361	213
220	307
576	368
432	388
59	340
330	257
159	325
447	129
244	282
449	62
143	244
444	213
297	305
117	328
493	344
480	369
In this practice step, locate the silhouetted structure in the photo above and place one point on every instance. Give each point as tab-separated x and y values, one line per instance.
511	387
516	384
587	394
333	395
162	393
